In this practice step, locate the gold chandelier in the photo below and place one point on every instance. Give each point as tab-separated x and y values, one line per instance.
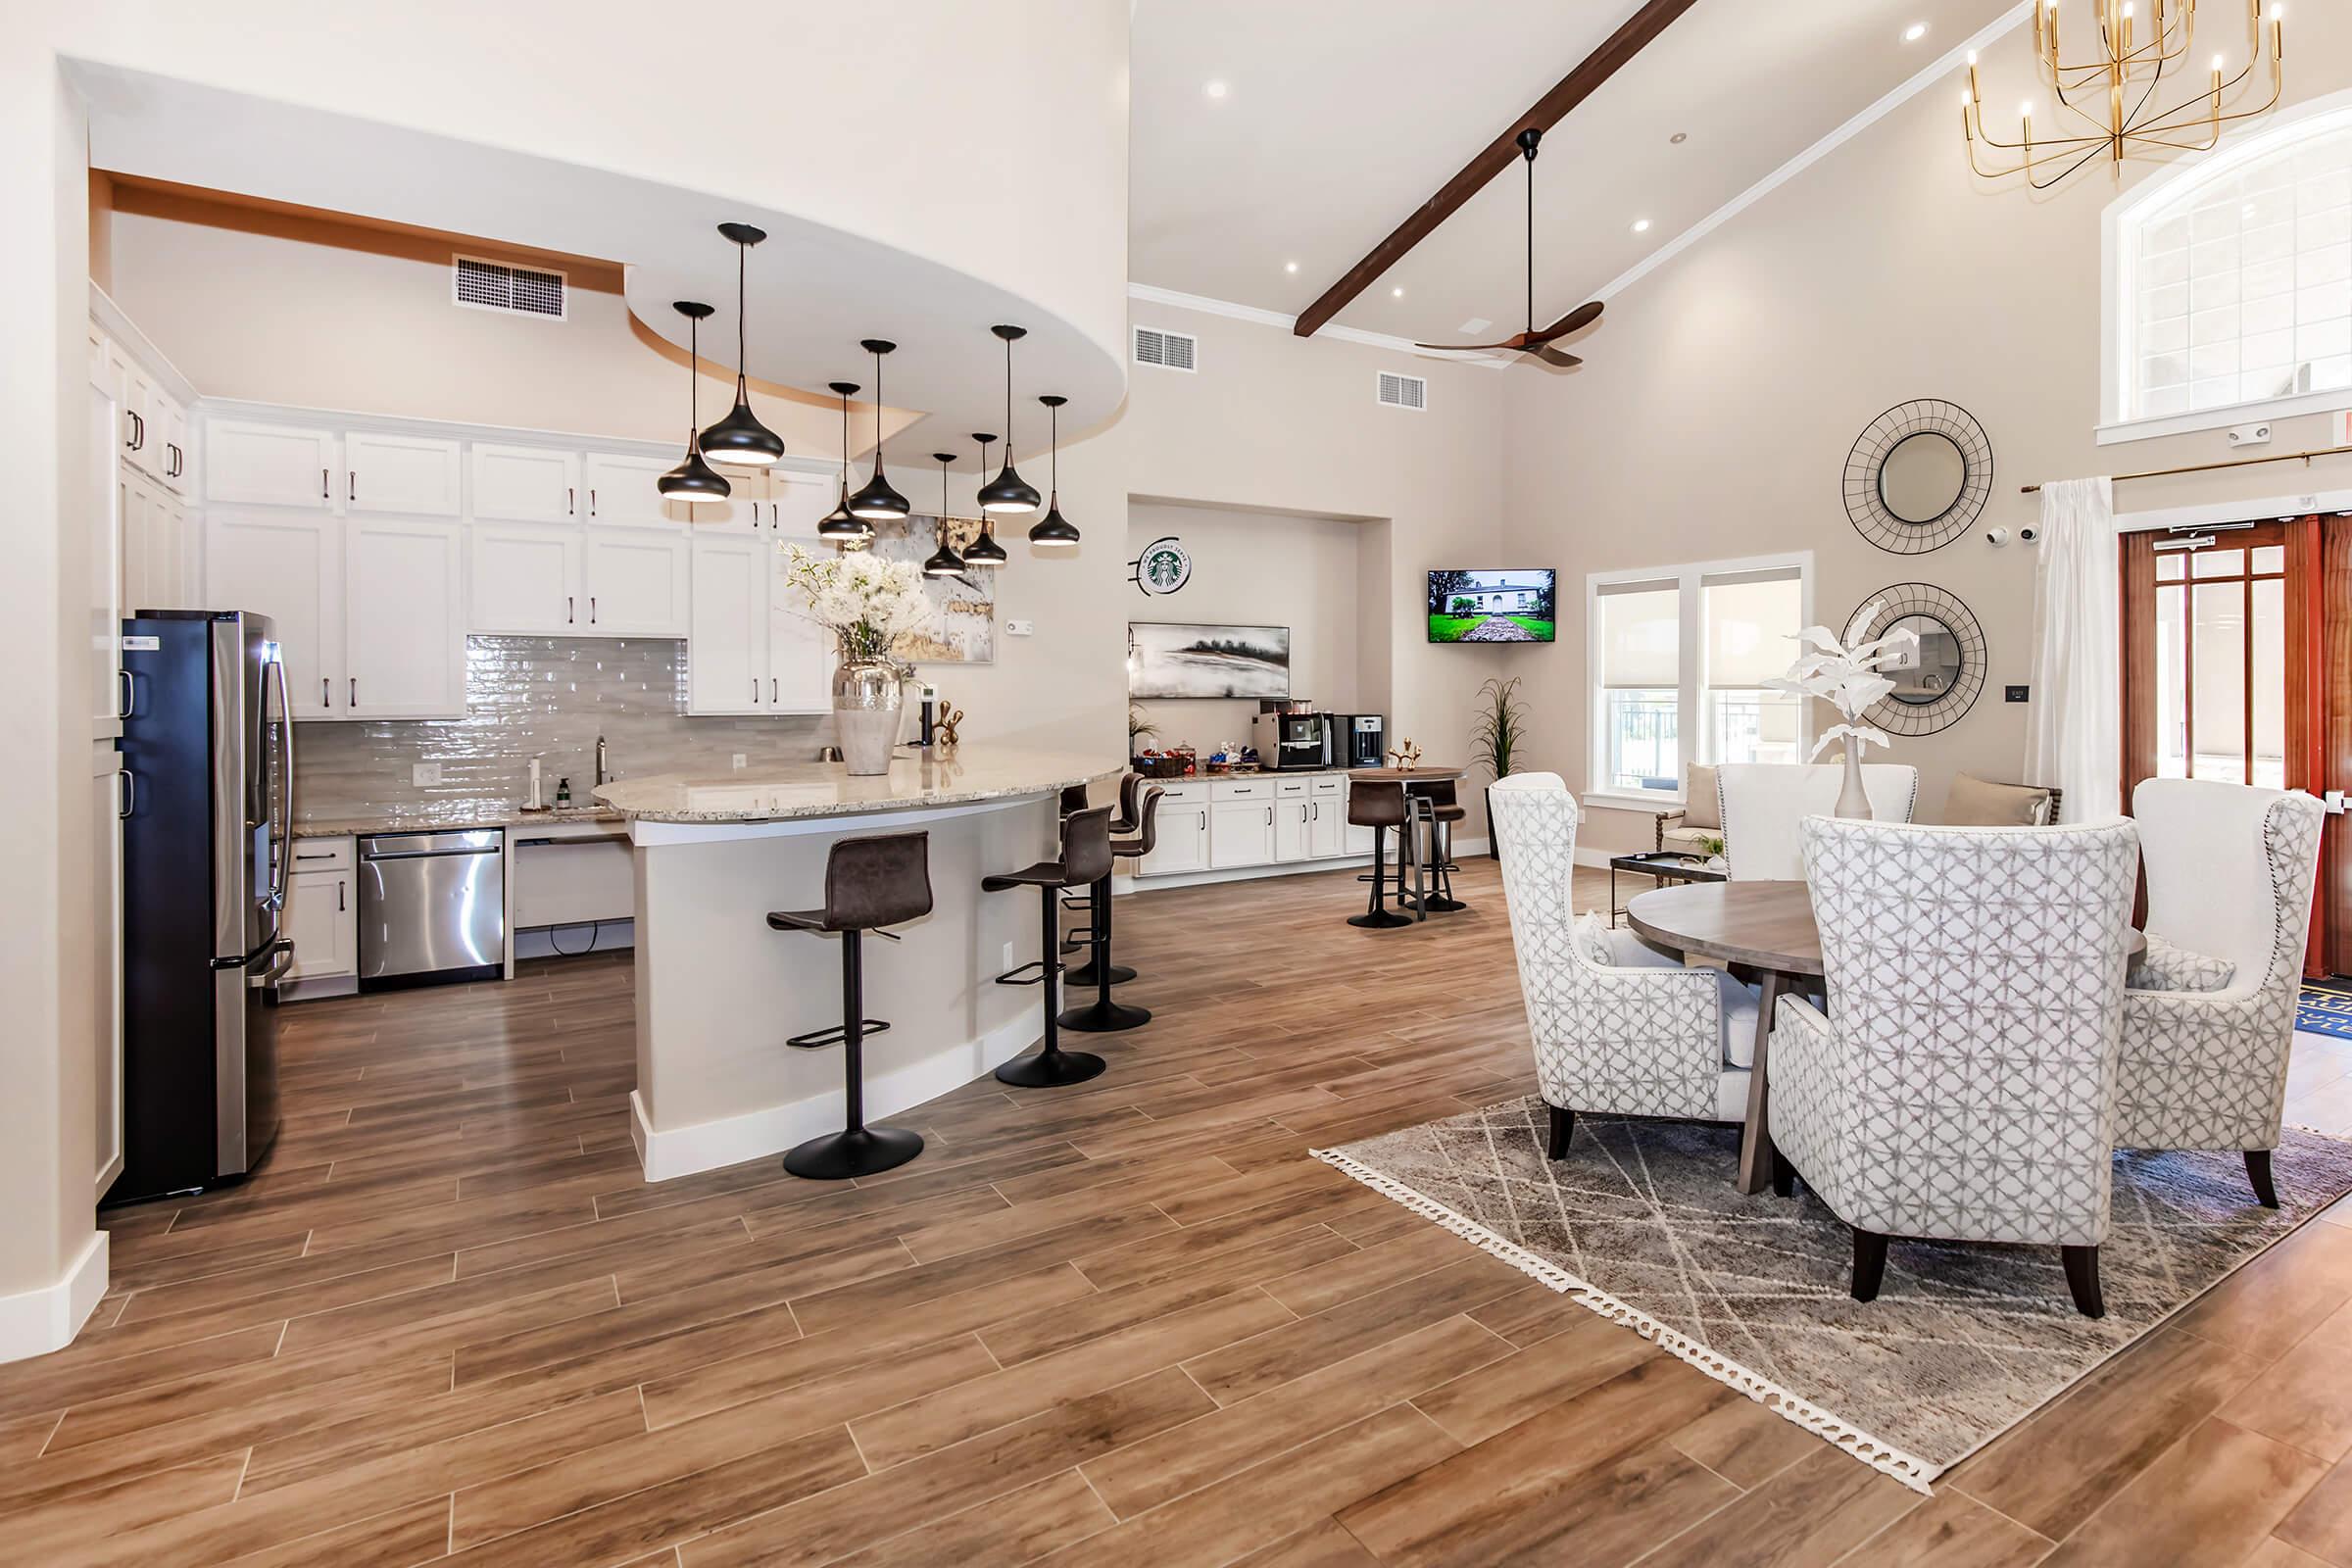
2113	90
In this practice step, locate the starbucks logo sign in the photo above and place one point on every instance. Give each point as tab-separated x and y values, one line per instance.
1163	568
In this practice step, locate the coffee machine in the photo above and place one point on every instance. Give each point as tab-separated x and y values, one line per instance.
1361	740
1294	741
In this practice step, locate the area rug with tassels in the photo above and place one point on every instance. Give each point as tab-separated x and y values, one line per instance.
1642	1224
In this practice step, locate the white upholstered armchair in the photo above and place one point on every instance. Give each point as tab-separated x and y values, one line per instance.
1618	1029
1962	1084
1761	804
2211	1017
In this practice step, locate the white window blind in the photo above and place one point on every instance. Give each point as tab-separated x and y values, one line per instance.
1640	635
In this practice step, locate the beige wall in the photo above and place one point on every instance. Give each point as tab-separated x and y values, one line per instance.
1275	423
1722	394
1251	569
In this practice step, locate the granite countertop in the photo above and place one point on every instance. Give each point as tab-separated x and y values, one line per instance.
448	816
974	772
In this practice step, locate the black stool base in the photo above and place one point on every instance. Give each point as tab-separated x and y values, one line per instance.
1379	920
1440	905
1050	1069
1084	975
859	1152
1104	1017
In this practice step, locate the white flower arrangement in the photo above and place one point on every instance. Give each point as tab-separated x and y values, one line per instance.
1846	673
862	599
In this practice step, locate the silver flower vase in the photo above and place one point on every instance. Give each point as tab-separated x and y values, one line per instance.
866	699
1853	799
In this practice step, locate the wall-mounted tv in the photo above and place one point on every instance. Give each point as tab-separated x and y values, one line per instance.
1492	606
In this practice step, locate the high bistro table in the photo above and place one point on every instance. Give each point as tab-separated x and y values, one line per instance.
1763	926
1411	778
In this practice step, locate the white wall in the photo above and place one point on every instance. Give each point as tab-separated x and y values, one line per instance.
1722	393
1253	568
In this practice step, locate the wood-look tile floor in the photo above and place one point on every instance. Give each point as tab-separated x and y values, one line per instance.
1127	1323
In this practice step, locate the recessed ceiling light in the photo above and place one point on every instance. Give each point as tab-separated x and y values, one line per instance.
1640	225
1215	89
1914	32
1395	293
1679	137
1289	266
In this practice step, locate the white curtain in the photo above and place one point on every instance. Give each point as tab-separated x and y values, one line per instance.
2073	731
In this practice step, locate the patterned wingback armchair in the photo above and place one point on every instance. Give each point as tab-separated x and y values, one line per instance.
1962	1086
2211	1017
1618	1030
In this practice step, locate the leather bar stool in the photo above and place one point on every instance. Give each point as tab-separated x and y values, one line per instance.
1446	810
1103	1015
1081	939
1381	806
1085	860
869	883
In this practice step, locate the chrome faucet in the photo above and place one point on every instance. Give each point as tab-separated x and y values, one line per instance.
600	762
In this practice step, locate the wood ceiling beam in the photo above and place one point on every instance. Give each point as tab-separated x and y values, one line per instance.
1498	155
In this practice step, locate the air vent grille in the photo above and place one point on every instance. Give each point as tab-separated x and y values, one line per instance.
488	285
1170	350
1402	391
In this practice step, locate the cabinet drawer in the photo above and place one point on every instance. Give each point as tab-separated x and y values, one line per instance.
1327	784
320	854
1241	789
1291	788
1180	791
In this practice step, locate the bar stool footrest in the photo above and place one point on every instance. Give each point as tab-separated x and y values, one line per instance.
819	1039
1016	975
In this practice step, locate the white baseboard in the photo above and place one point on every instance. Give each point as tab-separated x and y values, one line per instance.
1463	848
37	1321
773	1129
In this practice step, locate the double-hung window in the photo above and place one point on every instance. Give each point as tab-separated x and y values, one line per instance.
1678	657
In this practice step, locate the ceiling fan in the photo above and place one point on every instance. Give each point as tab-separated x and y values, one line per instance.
1532	343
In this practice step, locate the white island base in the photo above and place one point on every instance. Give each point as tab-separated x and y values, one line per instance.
718	991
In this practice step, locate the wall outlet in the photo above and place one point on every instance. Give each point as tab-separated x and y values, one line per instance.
2016	694
1010	959
1020	628
425	773
737	762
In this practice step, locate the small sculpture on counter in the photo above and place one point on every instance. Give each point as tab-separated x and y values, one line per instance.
942	737
1406	756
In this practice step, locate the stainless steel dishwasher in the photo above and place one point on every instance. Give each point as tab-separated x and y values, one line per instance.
432	908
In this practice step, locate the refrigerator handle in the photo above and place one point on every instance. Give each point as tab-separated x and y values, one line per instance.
281	842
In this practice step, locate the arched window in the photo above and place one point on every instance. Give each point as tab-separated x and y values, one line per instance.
2230	282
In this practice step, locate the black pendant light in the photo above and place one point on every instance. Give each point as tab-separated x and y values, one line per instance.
985	551
1007	491
739	438
944	562
692	478
839	525
875	500
1053	528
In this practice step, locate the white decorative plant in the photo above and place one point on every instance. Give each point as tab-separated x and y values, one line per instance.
862	599
1844	673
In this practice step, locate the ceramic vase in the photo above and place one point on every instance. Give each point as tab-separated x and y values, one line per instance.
1852	799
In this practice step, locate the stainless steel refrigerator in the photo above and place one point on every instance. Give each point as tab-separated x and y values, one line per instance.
209	748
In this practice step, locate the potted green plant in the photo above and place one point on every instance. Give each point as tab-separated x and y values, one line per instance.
1495	737
1138	729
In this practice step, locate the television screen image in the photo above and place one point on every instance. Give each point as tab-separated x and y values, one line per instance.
1492	606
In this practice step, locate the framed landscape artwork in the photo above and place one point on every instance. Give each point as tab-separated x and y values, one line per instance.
1180	658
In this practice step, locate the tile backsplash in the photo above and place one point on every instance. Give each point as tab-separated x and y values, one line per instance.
543	697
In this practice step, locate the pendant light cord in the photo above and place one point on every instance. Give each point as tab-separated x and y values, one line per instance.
742	251
1008	407
1531	241
877	416
1054	455
694	376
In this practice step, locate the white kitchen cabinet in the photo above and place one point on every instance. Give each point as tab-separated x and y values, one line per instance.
1241	831
405	629
526	579
323	909
416	476
251	463
636	584
104	608
525	484
289	567
621	493
171	419
157	552
726	656
800	654
1291	816
1326	823
1181	842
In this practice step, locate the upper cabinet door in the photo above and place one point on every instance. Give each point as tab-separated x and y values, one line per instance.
252	464
621	493
416	476
526	484
290	569
405	646
173	420
800	654
637	583
526	579
726	654
797	501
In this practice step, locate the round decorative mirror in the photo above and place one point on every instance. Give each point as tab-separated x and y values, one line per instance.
1917	477
1937	682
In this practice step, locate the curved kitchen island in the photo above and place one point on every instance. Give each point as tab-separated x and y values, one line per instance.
718	992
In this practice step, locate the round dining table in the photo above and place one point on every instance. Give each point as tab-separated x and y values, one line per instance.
1761	927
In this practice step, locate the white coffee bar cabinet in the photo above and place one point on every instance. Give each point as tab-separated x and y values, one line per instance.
718	992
